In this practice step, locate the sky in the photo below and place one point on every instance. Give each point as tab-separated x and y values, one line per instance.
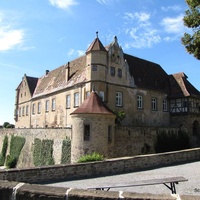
40	35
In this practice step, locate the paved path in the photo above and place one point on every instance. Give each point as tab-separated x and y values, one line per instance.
190	171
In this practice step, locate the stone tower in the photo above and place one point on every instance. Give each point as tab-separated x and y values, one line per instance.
93	128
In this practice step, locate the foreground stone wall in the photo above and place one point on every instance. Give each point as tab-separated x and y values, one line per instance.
41	192
92	169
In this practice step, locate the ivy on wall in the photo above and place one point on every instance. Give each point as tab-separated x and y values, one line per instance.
66	151
43	152
16	145
3	151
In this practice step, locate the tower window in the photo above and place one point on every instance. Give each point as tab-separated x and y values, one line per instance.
94	67
86	132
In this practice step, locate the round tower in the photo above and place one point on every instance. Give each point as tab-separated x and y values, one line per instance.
93	129
96	61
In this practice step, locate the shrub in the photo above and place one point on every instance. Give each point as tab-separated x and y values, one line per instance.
171	141
4	150
91	157
66	151
120	116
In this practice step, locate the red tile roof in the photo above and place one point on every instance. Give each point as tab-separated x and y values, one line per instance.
93	105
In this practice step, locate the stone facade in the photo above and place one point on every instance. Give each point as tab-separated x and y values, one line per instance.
142	90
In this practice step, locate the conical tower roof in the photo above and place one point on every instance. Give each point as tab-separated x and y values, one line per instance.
96	45
93	105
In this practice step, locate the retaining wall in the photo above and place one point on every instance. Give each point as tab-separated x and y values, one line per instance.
93	169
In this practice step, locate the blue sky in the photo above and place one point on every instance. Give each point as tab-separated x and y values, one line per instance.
36	35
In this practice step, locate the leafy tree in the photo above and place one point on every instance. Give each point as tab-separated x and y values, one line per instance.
192	20
5	124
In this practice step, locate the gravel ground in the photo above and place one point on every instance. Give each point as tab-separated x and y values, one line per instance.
190	171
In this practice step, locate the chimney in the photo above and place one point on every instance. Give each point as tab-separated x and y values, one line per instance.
47	71
68	71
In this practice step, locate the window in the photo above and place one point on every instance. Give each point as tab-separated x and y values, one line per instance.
118	99
101	95
139	102
154	104
76	99
27	108
109	134
23	110
33	109
87	94
164	105
119	73
86	132
68	102
112	71
20	111
47	106
53	105
94	67
39	107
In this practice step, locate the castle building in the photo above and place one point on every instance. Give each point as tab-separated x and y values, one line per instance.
140	89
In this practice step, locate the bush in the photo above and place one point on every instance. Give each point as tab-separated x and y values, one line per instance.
91	157
4	150
171	141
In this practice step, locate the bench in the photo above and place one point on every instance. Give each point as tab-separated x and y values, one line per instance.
168	182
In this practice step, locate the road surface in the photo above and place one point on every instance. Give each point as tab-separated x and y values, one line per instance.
190	171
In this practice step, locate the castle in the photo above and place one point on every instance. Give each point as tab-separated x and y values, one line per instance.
87	93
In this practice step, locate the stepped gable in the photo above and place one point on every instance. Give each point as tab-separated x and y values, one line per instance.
93	105
181	87
56	79
147	74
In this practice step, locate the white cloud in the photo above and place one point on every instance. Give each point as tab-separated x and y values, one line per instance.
173	25
142	39
172	8
10	36
72	53
63	4
139	16
142	33
106	2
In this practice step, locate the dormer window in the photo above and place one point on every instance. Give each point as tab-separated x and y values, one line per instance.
112	71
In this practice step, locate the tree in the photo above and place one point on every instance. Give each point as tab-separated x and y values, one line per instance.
192	20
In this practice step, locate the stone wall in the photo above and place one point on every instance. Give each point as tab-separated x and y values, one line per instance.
126	141
101	168
59	172
26	156
41	192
